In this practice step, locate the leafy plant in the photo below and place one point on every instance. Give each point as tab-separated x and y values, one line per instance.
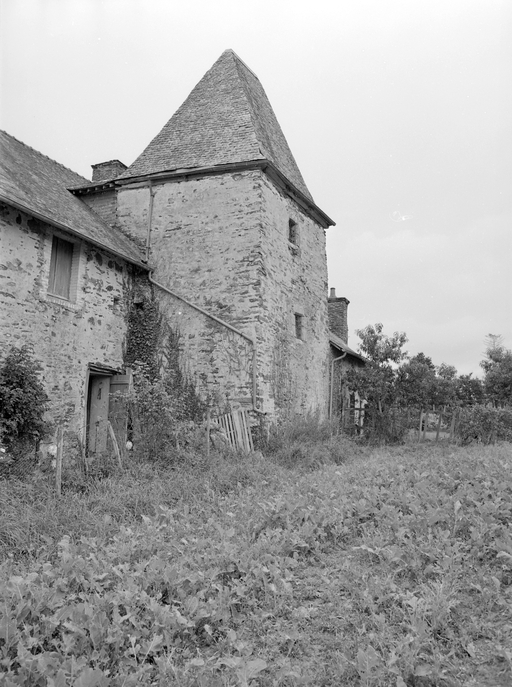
165	408
23	400
497	366
166	577
484	424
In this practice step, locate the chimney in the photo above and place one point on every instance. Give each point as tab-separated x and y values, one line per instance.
106	171
337	310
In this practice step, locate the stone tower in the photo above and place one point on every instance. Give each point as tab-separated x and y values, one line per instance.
237	246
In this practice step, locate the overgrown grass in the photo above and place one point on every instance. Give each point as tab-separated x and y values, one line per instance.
385	567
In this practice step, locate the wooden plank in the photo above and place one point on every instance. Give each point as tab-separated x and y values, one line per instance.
208	433
238	429
114	444
232	434
98	413
58	460
120	387
248	428
245	432
227	429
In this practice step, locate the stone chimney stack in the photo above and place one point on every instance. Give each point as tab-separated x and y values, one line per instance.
106	171
337	309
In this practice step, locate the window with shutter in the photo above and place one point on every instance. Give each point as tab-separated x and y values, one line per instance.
61	264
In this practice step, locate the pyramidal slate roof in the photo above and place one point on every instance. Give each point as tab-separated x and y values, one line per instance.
35	183
226	119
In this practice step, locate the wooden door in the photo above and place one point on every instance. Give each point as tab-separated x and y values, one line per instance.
99	390
120	385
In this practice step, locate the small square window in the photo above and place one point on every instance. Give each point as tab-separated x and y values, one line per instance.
293	232
299	329
61	268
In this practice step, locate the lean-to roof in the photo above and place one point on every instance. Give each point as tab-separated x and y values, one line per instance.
338	343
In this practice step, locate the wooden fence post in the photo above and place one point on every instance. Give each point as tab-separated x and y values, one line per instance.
452	425
115	444
208	433
439	425
58	460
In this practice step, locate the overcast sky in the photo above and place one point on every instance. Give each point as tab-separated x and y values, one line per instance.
398	113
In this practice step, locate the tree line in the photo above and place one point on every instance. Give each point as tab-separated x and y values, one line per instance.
392	378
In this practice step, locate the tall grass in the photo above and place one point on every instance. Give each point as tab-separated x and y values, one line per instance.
390	568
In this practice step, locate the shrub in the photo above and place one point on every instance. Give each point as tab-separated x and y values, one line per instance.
387	426
165	409
23	402
484	424
305	441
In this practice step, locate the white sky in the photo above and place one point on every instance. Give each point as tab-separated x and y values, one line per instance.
391	108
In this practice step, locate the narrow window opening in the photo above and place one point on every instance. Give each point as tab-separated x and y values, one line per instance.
61	264
299	331
293	232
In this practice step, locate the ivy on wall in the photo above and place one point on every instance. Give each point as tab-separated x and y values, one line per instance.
153	345
191	407
144	333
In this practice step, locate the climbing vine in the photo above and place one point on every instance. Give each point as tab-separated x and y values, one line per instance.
178	384
164	403
144	334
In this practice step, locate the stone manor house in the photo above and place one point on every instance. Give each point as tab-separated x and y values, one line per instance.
211	232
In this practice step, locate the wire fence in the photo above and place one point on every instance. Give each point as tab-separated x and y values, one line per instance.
67	456
461	425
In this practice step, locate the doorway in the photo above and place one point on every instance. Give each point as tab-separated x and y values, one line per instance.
107	409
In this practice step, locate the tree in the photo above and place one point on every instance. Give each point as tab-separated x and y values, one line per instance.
494	350
375	382
380	348
448	372
416	380
469	390
497	366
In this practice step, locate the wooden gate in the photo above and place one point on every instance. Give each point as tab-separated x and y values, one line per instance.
235	428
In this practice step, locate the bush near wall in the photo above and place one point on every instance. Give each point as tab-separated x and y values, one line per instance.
23	403
484	424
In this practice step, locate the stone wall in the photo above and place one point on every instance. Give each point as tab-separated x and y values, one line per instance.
205	248
294	284
221	242
65	335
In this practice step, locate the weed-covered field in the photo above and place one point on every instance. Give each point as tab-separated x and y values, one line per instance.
391	567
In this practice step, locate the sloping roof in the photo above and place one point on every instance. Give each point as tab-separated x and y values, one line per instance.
343	347
38	185
226	119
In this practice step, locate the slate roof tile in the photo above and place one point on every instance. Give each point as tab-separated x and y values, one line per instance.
34	182
226	119
338	343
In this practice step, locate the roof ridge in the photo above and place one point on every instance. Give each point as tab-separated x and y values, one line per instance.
248	100
282	156
55	162
242	62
